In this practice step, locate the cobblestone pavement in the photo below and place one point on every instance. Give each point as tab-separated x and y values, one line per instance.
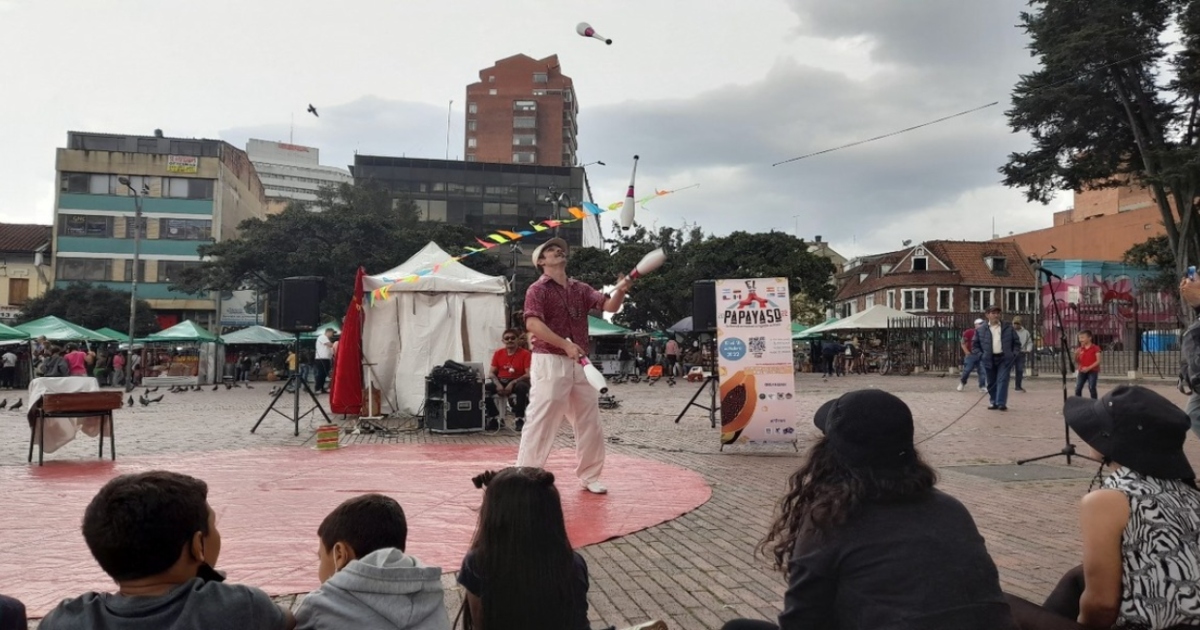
699	570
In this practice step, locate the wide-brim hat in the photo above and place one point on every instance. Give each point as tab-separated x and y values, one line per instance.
869	428
1136	428
537	253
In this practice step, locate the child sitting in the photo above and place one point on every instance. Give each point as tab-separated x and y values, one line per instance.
156	536
366	579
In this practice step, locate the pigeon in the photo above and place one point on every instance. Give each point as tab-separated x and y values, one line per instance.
313	110
228	386
143	401
247	387
151	391
131	401
129	388
16	406
274	390
159	399
216	387
4	403
235	384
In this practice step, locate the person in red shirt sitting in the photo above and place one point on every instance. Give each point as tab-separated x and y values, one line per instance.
510	377
1087	357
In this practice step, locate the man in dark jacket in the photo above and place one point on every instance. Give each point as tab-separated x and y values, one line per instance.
998	345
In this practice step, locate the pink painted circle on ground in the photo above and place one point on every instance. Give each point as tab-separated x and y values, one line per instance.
269	503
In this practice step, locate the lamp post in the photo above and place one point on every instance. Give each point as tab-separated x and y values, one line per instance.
137	257
591	163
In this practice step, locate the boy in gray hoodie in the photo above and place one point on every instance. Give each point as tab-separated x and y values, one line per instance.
367	581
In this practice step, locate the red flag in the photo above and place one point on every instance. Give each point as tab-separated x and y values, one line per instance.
346	395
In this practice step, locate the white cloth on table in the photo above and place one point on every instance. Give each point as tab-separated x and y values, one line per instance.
60	431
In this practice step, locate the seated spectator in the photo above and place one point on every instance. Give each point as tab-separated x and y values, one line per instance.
55	366
1141	547
867	541
12	614
366	579
510	377
155	535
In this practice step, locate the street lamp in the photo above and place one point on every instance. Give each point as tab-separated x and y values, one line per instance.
137	256
591	163
559	200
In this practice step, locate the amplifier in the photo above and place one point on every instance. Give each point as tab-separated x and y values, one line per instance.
454	407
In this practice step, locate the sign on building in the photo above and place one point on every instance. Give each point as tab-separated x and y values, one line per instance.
754	358
183	164
242	308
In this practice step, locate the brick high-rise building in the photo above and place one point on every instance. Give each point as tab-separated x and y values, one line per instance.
522	111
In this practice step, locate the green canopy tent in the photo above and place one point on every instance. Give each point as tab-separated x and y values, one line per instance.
257	335
57	329
337	329
183	332
598	327
798	330
116	335
814	331
8	333
191	360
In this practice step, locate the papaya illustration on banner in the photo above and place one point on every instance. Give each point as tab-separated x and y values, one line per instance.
754	358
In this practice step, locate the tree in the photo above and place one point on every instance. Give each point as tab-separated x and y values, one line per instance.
360	226
91	307
807	312
1110	105
664	297
1154	253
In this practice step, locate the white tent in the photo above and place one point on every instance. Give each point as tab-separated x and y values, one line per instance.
455	313
874	318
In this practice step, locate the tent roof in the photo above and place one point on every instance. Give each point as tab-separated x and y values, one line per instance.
57	329
598	327
257	335
448	278
874	318
8	333
184	331
115	334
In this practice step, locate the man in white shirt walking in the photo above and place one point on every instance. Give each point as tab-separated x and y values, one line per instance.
1026	339
324	358
8	369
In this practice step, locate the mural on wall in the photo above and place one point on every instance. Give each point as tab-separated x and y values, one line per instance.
1104	298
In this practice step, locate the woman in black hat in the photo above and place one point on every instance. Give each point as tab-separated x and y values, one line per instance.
867	542
1140	530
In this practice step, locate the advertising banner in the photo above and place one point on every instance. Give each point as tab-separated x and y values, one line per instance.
241	308
183	164
754	354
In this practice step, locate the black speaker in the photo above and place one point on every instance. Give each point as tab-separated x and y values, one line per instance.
454	407
704	305
300	303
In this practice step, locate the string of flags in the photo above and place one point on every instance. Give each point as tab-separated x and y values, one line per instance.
502	237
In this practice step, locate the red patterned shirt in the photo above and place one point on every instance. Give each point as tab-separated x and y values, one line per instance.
564	310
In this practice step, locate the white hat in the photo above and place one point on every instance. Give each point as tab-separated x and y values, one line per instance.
537	253
978	322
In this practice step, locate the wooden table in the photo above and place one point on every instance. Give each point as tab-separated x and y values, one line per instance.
74	405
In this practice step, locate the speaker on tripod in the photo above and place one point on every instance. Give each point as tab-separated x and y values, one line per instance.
704	306
300	303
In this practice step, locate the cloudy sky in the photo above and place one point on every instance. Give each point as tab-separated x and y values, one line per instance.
707	92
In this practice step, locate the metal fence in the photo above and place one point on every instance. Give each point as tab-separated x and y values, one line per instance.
1141	335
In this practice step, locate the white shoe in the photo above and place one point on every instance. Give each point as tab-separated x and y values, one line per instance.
657	624
960	386
983	389
595	487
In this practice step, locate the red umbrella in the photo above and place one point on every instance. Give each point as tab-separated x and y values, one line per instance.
347	390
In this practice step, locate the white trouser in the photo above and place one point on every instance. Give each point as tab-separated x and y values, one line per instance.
559	389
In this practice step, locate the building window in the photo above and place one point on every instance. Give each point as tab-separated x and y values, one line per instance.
144	185
524	140
891	299
847	309
85	225
187	188
524	158
982	299
492	92
914	299
471	143
171	270
525	106
129	228
539	92
997	263
491	78
472	108
870	300
524	122
945	300
470	157
472	125
920	263
567	95
89	183
18	291
540	77
185	229
129	270
1019	301
85	269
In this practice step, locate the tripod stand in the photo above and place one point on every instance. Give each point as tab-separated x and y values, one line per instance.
1066	365
710	382
294	383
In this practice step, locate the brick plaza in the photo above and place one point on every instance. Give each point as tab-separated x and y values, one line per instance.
699	570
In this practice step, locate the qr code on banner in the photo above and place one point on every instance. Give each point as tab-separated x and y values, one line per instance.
757	345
